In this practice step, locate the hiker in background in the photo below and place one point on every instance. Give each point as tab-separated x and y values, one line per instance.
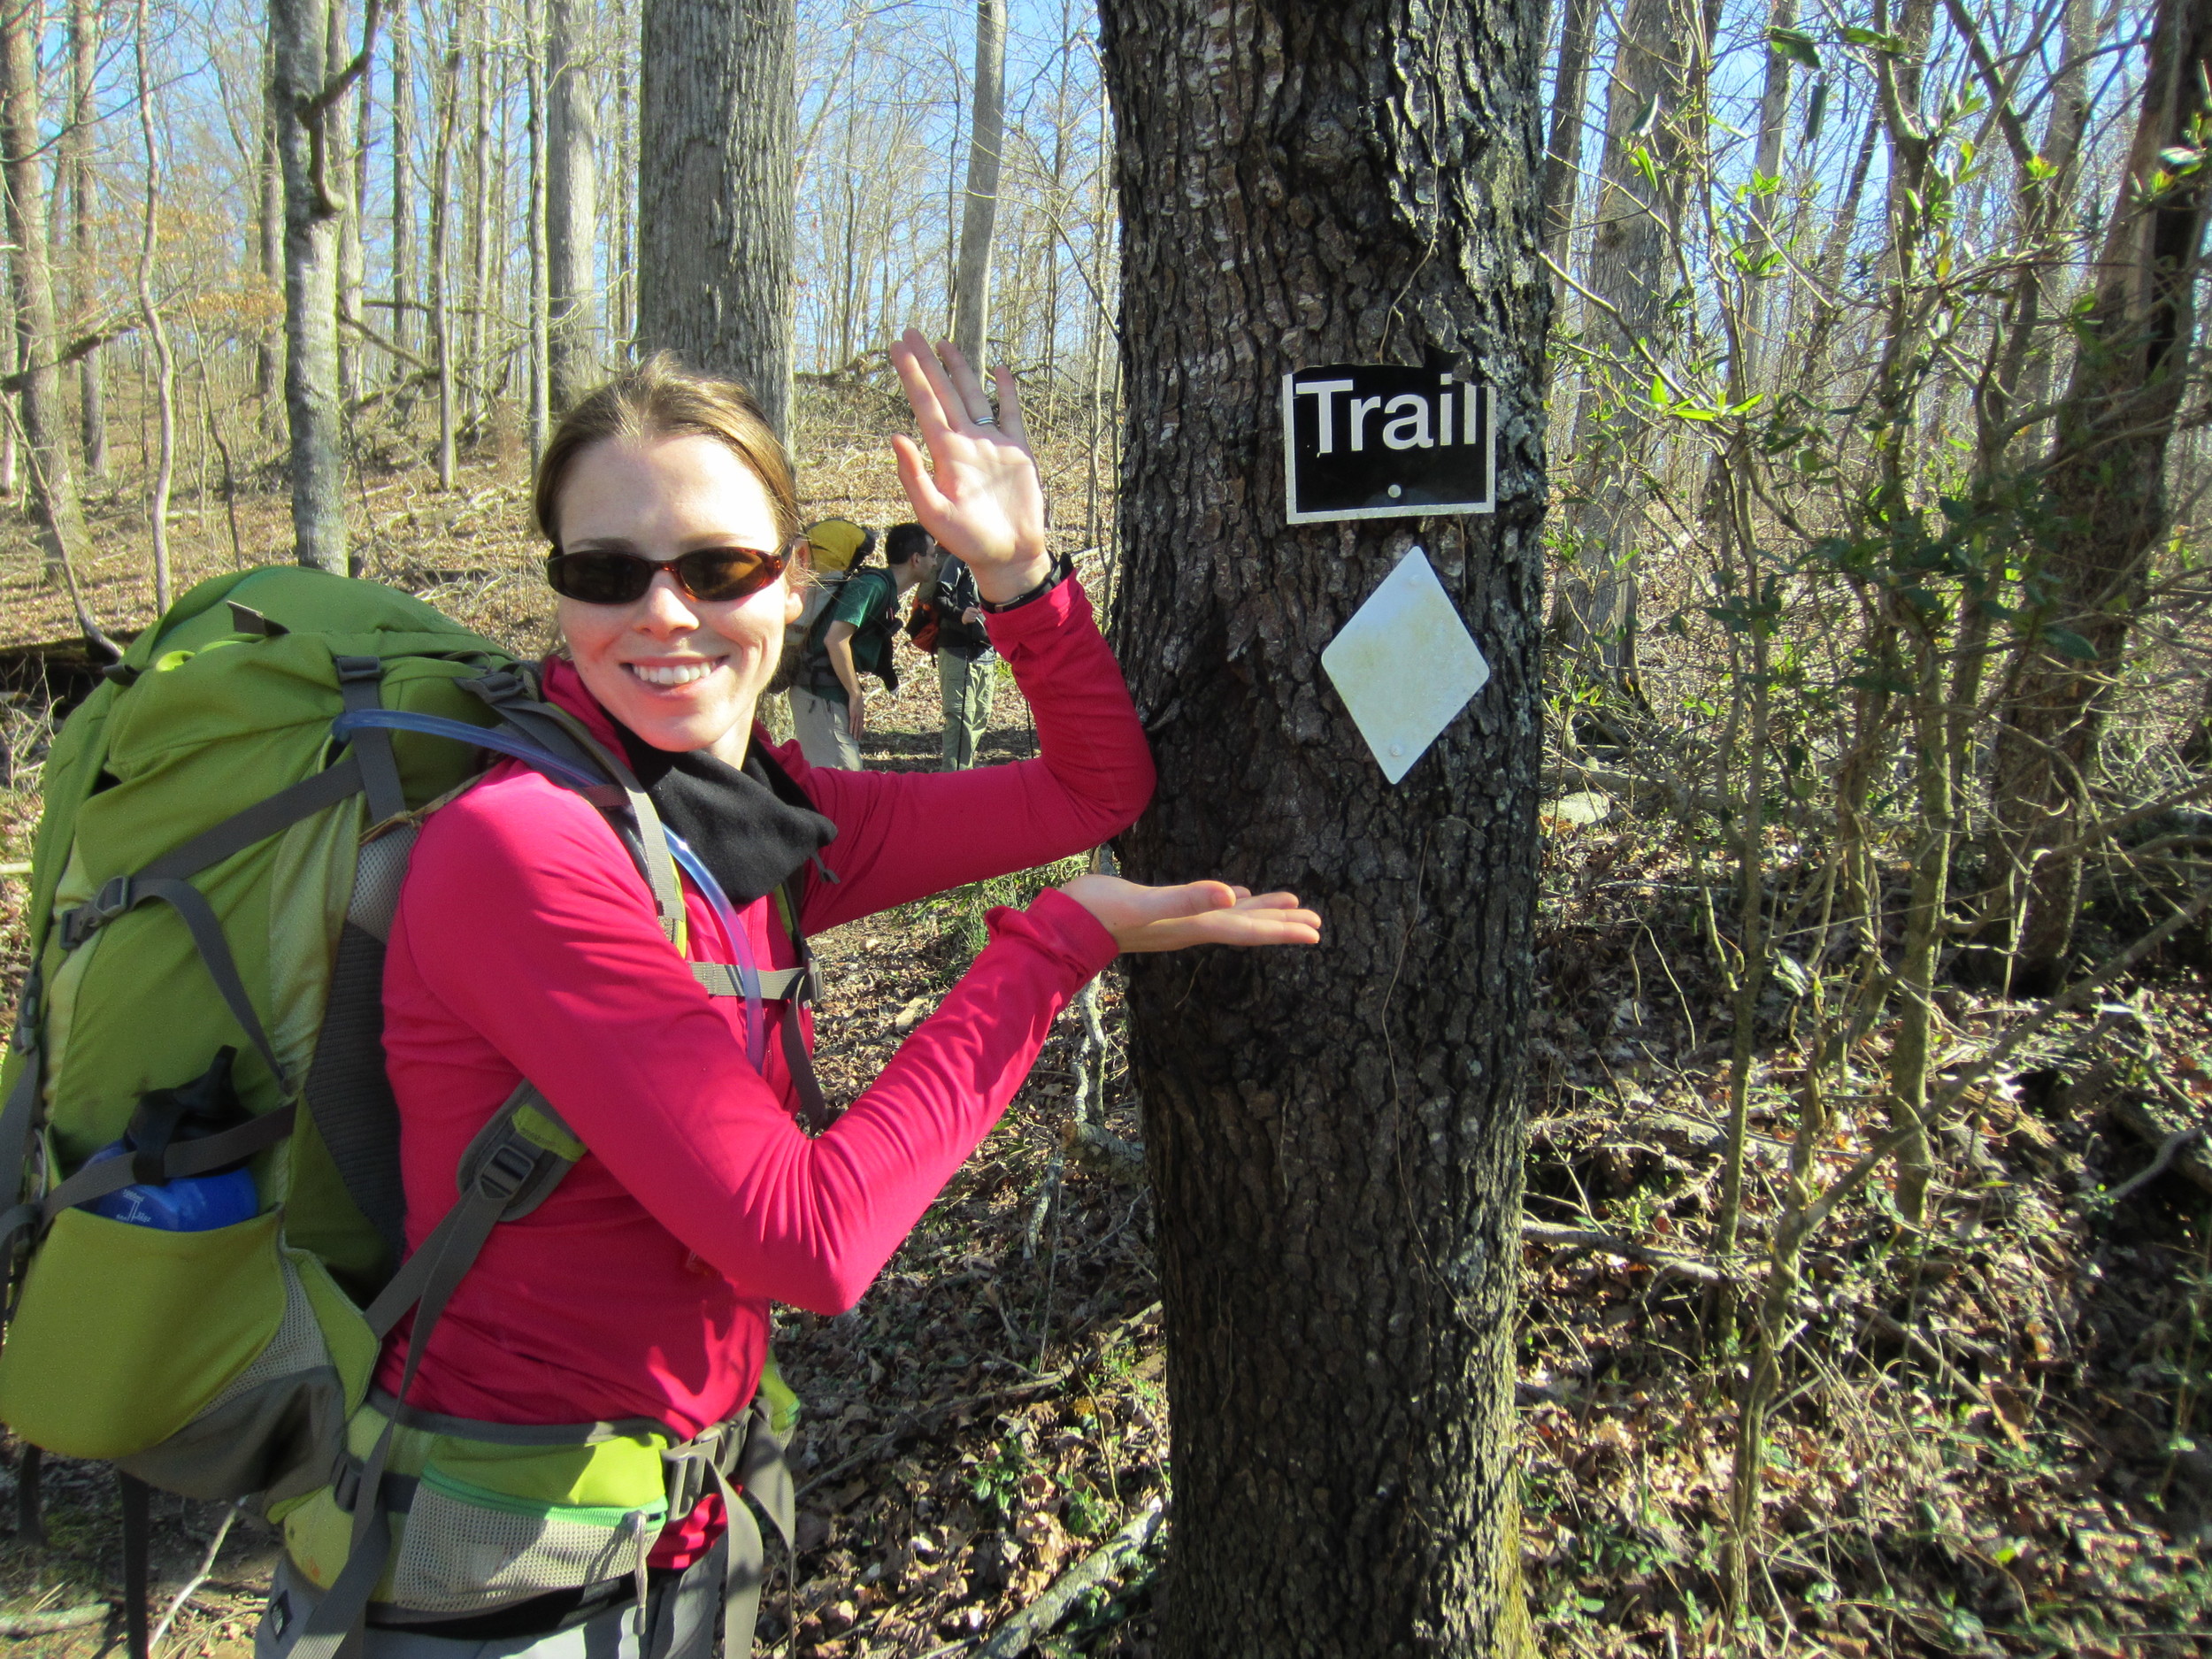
851	635
967	667
709	1179
835	548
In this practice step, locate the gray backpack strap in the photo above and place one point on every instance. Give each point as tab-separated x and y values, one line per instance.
361	686
521	1155
748	1449
512	694
777	985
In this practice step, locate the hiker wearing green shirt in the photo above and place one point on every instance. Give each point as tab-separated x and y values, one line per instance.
851	637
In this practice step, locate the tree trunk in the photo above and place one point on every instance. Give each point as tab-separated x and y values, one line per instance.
1631	274
987	132
344	163
84	59
156	330
572	208
1334	1139
717	121
539	331
441	342
53	481
2105	484
1562	158
1774	109
269	375
300	30
403	255
480	211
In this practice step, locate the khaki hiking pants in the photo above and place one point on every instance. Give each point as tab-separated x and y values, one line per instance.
965	687
825	730
684	1614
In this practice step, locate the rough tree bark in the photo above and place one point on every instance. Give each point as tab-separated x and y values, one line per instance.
299	33
572	205
84	63
1334	1137
1630	275
718	124
2106	487
55	505
986	133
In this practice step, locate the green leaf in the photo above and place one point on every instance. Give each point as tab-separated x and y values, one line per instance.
2066	642
1894	44
1816	110
1796	45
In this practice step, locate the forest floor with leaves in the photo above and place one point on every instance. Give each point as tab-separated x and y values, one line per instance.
1994	1435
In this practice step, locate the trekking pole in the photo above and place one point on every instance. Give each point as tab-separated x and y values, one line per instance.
30	1516
137	1541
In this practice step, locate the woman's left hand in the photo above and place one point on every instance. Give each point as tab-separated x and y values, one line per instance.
972	479
1196	913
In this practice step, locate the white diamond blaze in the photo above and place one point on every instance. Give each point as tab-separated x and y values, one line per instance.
1405	664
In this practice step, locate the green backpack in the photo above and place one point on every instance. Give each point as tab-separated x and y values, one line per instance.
228	821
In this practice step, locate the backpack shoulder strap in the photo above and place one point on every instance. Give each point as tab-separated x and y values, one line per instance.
518	1159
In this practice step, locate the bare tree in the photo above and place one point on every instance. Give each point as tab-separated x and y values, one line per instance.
307	97
343	165
1562	158
84	54
539	339
269	374
53	482
403	124
1642	180
157	330
571	212
441	336
987	128
718	119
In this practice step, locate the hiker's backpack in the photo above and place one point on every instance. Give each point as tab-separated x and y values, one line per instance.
227	820
836	547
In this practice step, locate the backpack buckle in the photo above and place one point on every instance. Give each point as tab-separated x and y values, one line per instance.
113	899
505	1171
354	669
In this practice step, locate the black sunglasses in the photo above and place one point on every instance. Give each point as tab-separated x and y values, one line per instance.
711	574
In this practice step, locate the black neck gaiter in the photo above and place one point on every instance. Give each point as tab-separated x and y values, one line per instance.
751	827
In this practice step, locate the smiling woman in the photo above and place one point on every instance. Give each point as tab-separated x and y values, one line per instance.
528	949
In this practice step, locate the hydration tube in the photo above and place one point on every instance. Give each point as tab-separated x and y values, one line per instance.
554	766
748	972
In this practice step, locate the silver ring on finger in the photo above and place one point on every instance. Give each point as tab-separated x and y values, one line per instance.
986	420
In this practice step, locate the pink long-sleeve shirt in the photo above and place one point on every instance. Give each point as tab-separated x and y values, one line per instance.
526	944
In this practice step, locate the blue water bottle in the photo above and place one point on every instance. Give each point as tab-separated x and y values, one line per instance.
189	1203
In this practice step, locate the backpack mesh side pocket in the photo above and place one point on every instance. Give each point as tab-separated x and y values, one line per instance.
466	1549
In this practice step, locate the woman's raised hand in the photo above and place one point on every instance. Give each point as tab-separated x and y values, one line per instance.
972	478
1196	913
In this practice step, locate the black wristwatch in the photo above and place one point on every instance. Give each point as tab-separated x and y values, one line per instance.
1063	567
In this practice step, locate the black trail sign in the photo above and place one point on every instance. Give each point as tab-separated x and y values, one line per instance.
1381	440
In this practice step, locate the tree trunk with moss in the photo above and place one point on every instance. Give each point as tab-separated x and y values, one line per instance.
1335	1136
